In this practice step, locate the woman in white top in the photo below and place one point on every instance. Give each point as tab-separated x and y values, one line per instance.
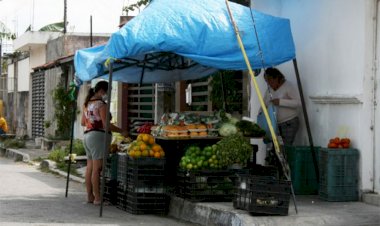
282	94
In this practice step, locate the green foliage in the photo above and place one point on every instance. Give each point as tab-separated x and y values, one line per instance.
53	27
250	129
14	143
63	167
135	6
47	124
226	81
233	149
78	148
57	155
63	111
5	33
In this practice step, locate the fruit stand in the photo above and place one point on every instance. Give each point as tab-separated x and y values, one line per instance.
125	61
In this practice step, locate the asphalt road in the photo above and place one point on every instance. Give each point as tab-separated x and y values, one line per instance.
31	197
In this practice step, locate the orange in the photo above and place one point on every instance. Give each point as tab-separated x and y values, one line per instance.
151	140
145	138
131	153
145	153
137	154
157	155
156	148
151	153
162	153
135	148
139	137
143	147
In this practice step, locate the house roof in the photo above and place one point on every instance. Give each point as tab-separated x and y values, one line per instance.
54	63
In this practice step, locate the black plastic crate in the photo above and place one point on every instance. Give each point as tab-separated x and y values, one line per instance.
339	174
142	203
110	171
206	185
141	184
262	195
122	168
260	170
110	191
145	163
146	208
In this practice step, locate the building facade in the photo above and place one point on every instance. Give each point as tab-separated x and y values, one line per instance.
337	49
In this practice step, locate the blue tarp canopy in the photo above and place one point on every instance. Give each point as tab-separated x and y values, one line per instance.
173	40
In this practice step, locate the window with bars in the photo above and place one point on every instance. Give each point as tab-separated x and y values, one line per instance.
141	101
38	104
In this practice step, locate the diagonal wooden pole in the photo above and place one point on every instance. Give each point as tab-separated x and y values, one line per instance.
279	154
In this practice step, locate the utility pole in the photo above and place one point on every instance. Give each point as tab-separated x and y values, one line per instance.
1	56
64	16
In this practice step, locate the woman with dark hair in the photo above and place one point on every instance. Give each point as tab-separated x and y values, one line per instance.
94	120
282	94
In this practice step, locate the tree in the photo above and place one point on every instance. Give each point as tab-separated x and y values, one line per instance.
135	6
5	33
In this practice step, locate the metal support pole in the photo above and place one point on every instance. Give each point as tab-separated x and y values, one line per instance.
306	120
106	134
71	145
223	91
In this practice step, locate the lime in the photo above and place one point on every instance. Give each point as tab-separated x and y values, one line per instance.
207	148
189	166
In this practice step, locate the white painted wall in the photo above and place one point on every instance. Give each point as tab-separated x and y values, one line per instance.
334	47
10	79
23	75
37	56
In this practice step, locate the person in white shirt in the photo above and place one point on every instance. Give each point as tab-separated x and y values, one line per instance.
282	94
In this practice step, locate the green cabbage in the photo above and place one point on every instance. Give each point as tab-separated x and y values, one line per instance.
227	129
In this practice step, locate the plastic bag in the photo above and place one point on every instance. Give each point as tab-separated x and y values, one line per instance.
262	122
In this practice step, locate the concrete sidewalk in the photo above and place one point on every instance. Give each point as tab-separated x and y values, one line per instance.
311	210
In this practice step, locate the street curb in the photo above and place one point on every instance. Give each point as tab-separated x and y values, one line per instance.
371	198
17	156
52	166
203	214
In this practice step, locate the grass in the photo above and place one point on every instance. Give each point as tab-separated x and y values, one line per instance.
58	155
14	143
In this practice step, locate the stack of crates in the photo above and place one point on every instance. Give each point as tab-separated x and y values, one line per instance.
339	174
303	171
144	190
110	171
262	195
111	183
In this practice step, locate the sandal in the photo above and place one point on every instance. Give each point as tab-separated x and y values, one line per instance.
96	203
105	203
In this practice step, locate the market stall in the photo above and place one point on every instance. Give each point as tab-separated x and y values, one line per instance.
189	43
